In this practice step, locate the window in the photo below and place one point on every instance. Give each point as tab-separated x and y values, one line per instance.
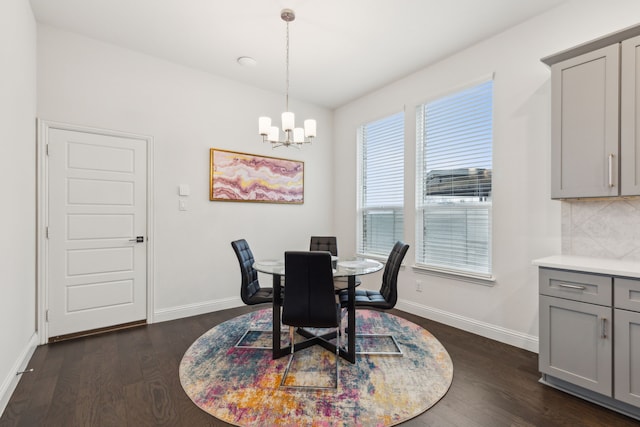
381	185
454	168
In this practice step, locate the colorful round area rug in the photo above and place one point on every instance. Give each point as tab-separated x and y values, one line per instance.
241	385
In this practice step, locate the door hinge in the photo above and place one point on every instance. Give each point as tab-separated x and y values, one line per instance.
46	316
46	232
46	149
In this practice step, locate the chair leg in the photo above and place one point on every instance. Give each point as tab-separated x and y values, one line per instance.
338	340
286	371
292	338
260	331
238	344
291	343
343	314
398	351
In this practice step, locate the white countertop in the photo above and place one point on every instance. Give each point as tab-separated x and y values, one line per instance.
614	267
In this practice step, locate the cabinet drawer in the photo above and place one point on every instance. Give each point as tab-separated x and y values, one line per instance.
626	294
591	288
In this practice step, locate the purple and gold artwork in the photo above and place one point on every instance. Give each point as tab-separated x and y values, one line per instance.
242	177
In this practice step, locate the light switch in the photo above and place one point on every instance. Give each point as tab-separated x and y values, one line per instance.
184	190
182	205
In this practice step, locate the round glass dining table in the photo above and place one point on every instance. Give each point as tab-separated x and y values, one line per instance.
342	267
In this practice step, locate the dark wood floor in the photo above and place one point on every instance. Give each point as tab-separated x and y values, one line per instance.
130	378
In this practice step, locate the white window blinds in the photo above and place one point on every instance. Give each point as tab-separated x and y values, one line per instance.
381	185
454	169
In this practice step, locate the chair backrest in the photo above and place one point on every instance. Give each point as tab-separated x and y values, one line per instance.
389	289
324	243
250	284
309	297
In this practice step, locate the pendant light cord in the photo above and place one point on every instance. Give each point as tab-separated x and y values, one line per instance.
287	92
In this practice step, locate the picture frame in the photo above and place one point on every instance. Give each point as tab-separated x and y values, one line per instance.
242	177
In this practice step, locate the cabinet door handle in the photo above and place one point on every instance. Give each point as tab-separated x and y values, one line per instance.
568	286
604	328
611	170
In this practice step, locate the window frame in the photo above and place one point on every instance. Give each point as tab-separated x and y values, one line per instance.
474	275
361	191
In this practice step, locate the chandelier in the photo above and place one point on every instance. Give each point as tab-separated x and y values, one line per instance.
293	136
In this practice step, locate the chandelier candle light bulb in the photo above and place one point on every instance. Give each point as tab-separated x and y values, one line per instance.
288	121
274	134
293	136
264	125
310	128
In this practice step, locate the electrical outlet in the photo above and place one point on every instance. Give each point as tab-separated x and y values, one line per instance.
419	285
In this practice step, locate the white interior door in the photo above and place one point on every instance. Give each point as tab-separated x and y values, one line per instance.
97	270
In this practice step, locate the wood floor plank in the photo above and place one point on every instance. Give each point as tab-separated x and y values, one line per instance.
22	396
130	378
63	407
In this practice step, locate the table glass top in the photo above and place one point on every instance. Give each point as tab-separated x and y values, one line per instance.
342	266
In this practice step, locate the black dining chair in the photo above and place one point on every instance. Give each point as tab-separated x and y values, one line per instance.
383	299
251	292
324	243
309	300
330	244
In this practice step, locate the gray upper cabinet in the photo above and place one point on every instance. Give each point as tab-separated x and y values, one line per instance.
630	118
595	148
584	125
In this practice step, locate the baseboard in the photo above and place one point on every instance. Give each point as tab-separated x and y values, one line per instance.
11	381
179	312
487	330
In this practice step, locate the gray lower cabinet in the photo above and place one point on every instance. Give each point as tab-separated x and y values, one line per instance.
590	336
627	343
575	332
576	349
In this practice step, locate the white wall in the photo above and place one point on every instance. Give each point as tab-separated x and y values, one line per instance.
187	112
18	186
526	223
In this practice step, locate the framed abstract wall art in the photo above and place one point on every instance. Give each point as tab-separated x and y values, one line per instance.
242	177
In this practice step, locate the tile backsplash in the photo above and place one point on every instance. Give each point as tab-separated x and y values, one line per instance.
602	228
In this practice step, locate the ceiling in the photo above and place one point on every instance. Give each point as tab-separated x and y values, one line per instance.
340	49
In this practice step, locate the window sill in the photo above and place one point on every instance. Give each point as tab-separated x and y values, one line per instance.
457	275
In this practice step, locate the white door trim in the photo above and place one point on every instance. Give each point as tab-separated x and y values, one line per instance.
42	217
